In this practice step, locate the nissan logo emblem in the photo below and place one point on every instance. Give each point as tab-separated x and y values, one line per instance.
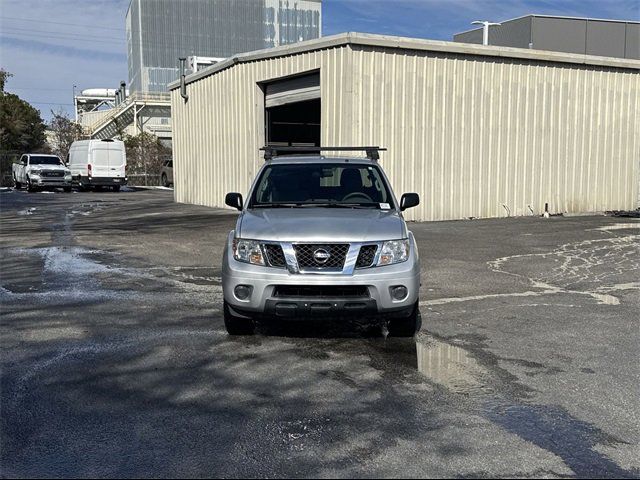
321	255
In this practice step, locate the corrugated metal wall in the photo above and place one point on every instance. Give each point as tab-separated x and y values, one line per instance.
479	136
217	133
475	136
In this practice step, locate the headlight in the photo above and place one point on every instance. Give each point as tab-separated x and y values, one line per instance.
394	251
248	251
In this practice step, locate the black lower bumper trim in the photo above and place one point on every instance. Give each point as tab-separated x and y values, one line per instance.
319	307
322	308
101	181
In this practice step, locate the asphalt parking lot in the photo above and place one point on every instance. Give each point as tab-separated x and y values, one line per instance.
115	361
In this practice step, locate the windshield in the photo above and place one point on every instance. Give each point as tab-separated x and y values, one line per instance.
318	184
35	160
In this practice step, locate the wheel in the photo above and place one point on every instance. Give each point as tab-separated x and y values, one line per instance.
67	189
406	326
17	185
30	187
165	181
116	188
235	324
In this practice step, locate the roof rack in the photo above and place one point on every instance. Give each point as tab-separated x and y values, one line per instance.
271	151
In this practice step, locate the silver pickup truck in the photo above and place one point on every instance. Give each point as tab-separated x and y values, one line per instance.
37	170
321	236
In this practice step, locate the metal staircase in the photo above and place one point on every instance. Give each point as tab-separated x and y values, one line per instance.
127	113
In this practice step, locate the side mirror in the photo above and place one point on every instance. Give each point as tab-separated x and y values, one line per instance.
409	200
234	200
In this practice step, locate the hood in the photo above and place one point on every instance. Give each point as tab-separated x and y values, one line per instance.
48	167
321	225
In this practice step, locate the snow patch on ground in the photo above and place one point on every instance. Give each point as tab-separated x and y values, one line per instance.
596	268
70	261
618	226
70	273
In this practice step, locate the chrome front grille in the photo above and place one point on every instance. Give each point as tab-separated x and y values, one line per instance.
321	255
366	256
51	173
275	255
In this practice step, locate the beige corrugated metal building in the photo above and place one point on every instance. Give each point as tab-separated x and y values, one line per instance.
477	131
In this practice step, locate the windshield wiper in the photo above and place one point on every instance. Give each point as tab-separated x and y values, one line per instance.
339	205
275	205
315	204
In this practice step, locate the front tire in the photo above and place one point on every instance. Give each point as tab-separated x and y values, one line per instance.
116	188
236	325
165	181
30	187
67	189
406	326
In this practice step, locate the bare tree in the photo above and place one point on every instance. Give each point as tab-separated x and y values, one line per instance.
64	132
145	154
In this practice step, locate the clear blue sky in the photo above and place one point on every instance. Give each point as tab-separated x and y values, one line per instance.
51	45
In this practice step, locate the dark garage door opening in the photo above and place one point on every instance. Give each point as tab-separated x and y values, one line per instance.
294	124
292	111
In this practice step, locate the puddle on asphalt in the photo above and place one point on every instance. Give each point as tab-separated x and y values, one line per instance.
450	366
550	427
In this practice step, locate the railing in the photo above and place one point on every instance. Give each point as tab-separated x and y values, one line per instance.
134	98
87	119
149	97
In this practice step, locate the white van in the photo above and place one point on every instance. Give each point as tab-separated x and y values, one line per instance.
98	163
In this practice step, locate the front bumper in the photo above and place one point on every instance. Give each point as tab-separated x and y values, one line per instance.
264	280
101	181
50	181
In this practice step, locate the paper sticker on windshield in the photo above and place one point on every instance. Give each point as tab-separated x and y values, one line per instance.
385	206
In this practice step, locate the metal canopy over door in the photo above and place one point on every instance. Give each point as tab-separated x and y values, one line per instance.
292	90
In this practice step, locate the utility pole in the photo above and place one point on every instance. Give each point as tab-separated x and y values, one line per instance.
75	102
485	29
